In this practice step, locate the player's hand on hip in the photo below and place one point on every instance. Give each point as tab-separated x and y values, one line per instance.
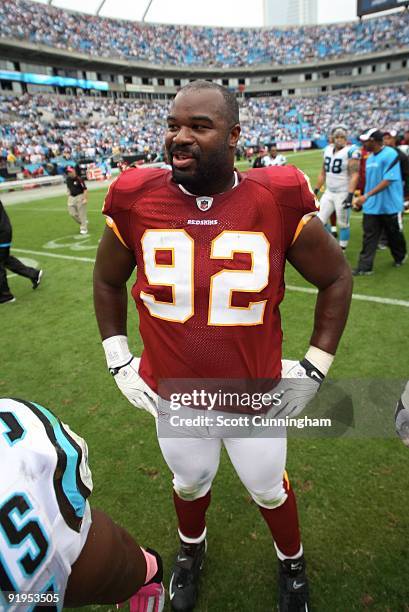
402	416
300	382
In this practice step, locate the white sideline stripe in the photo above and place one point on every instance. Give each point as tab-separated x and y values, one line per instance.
63	209
45	254
356	296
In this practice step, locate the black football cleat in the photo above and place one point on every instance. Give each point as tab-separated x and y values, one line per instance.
7	298
358	272
184	583
37	280
293	586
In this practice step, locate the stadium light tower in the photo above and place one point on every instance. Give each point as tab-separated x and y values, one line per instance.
100	7
146	10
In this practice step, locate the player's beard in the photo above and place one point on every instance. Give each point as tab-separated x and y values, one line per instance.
212	170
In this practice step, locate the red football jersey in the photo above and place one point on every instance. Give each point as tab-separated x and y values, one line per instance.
210	270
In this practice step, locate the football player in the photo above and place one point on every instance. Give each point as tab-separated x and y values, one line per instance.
210	246
402	416
55	550
276	159
340	173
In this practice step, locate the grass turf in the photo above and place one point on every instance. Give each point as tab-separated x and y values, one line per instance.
352	494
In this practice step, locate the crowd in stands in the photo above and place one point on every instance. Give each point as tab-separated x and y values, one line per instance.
267	120
194	45
51	131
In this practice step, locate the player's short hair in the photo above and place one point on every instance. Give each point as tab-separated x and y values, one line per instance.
339	131
230	101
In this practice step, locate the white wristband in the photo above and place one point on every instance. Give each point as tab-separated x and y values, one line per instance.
319	359
117	351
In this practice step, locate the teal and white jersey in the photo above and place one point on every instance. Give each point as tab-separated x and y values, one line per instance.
336	166
44	513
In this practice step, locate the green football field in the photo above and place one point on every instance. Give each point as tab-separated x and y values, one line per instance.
352	490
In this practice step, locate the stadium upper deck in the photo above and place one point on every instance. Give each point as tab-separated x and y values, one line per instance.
199	46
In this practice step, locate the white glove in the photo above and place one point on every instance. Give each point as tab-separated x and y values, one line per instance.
402	416
299	383
124	367
134	387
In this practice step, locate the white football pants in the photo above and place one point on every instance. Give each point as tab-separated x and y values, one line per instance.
331	202
259	463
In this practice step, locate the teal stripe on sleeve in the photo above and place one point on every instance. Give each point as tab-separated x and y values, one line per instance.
69	478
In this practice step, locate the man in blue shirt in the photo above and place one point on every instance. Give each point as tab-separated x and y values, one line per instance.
382	202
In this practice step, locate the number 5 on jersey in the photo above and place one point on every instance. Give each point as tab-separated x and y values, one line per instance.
179	275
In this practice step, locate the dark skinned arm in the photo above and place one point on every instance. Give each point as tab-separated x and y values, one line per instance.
319	259
113	266
110	569
359	202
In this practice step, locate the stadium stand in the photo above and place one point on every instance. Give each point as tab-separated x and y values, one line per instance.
50	132
199	46
43	128
280	119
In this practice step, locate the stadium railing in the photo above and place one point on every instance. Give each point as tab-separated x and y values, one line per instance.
31	183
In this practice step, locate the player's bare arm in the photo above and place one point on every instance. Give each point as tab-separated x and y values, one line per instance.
110	568
353	174
353	179
320	180
113	266
319	259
